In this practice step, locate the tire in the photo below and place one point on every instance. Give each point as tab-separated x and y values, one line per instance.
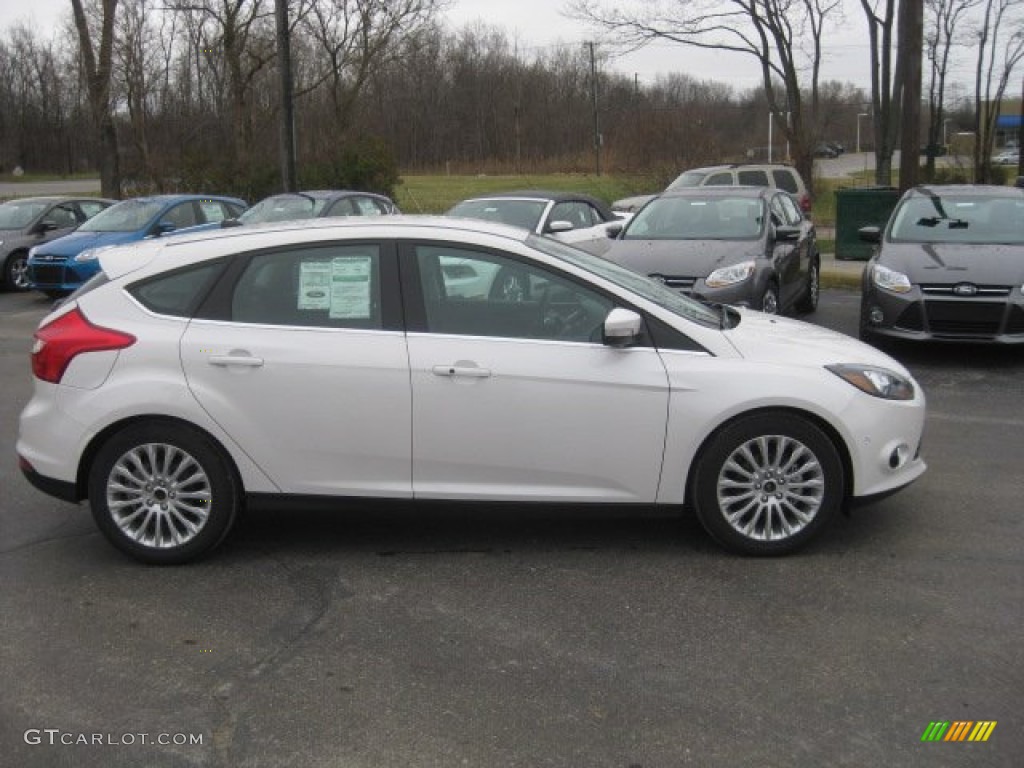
767	484
163	493
15	276
769	303
809	301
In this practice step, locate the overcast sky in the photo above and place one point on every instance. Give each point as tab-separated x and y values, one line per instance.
538	24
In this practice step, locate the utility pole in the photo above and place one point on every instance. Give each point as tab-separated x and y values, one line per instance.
911	37
597	120
284	68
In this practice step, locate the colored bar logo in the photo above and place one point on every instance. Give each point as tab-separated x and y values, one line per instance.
958	730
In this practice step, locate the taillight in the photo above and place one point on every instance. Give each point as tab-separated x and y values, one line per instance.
59	342
805	203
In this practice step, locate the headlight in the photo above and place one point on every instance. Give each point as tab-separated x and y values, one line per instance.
890	279
877	382
731	275
90	254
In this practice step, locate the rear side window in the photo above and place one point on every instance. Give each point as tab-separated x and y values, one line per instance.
785	180
719	180
337	286
753	178
177	293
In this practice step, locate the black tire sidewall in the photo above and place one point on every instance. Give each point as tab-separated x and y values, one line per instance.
225	492
721	446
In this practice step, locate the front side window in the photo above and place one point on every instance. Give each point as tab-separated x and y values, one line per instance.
181	216
213	211
336	286
62	216
580	215
367	206
473	293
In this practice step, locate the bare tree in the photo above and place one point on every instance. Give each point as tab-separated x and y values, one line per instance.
783	36
995	63
945	29
355	36
98	64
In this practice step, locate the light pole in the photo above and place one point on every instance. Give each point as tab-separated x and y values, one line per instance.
859	116
945	131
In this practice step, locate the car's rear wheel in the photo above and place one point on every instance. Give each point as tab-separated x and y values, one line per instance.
767	483
809	301
163	492
16	272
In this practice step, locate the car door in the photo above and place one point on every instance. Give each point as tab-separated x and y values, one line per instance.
785	254
804	245
302	361
515	396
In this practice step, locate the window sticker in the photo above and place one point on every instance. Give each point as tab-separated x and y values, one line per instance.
315	285
350	288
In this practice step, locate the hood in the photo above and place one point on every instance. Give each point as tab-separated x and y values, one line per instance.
774	339
632	204
683	258
951	263
73	244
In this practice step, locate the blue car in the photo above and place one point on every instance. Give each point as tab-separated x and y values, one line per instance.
60	266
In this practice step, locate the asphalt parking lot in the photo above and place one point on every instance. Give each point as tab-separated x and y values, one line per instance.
489	637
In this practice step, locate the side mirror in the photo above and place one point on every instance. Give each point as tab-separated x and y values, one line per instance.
785	233
228	223
45	226
870	234
163	228
622	327
614	230
560	226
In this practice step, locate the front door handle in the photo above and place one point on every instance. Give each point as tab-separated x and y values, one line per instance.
236	359
463	370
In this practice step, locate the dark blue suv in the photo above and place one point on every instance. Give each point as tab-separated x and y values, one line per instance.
60	266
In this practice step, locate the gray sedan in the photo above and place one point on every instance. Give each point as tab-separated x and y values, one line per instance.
749	246
30	221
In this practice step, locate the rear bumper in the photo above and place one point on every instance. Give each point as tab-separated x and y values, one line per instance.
60	489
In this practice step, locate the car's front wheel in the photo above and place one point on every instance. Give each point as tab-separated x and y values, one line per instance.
767	483
769	303
809	301
15	275
163	492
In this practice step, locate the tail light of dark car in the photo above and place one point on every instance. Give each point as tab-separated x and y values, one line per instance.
805	203
60	341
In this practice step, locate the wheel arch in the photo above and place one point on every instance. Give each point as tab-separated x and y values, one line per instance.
100	438
830	432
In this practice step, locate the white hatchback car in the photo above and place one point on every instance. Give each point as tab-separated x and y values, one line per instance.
198	374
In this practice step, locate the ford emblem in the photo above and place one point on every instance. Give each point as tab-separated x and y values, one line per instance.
965	289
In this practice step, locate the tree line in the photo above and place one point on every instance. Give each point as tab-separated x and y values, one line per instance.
184	94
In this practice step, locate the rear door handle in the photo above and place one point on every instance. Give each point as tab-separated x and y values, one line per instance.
465	371
235	359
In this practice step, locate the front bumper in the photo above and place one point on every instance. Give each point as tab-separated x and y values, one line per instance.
50	273
995	314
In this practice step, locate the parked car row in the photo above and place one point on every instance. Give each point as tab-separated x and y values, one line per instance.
51	243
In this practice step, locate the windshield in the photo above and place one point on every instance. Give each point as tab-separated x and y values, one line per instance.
518	213
632	281
959	219
688	179
126	216
283	208
15	215
698	218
